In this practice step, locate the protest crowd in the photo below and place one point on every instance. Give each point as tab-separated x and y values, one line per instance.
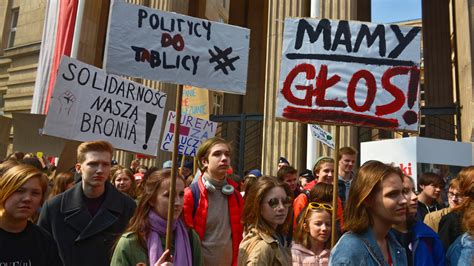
102	213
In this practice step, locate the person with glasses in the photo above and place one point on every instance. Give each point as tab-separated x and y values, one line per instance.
376	202
311	244
430	186
421	243
266	219
450	226
432	219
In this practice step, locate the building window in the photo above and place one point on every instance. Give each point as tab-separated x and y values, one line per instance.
14	23
217	103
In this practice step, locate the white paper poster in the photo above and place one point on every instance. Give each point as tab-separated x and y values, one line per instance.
87	104
171	47
192	132
350	73
322	135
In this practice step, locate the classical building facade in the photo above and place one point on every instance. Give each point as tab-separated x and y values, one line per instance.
249	121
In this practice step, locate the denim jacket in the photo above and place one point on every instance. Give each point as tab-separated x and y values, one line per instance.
461	252
362	249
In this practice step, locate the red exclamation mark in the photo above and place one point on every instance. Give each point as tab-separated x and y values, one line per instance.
149	122
411	116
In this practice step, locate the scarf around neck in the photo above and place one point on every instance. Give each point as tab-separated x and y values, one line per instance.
182	248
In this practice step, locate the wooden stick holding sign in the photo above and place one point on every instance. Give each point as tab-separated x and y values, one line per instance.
334	185
174	170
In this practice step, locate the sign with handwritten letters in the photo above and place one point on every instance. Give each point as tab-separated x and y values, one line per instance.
192	132
195	102
350	73
157	45
88	104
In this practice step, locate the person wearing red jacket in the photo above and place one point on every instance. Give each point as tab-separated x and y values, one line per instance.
323	171
213	206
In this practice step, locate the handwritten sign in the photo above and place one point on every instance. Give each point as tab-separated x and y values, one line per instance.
350	73
195	102
192	132
322	135
170	47
88	104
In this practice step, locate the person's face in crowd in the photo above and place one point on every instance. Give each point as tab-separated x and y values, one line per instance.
163	196
218	161
303	181
318	226
325	173
387	204
95	169
186	172
290	179
346	164
431	191
123	182
275	206
454	197
280	165
142	170
134	164
412	198
24	202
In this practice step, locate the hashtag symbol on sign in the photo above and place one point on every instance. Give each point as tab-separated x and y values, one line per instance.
222	59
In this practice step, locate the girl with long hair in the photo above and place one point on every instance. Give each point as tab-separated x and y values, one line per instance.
266	219
450	226
124	181
61	182
311	244
421	243
22	190
144	239
376	202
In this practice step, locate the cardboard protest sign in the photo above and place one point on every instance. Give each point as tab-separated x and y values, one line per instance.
195	102
322	135
152	44
88	104
192	132
29	136
350	73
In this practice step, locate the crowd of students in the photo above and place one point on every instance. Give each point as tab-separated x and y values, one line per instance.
105	214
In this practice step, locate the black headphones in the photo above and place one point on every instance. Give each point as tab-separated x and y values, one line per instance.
226	189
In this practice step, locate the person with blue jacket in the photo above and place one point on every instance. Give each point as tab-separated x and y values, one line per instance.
375	203
421	243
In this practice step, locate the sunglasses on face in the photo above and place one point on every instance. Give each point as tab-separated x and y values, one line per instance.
275	202
315	206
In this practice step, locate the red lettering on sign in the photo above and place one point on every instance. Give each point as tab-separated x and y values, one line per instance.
371	90
322	84
286	91
398	96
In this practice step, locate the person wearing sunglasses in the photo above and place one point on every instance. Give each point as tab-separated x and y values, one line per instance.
266	221
421	243
376	202
311	244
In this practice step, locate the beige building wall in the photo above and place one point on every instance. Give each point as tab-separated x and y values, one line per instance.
464	10
18	63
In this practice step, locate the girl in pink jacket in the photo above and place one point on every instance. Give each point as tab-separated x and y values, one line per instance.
312	239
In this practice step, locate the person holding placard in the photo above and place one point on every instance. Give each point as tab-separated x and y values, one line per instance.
22	190
376	202
144	239
213	206
85	220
